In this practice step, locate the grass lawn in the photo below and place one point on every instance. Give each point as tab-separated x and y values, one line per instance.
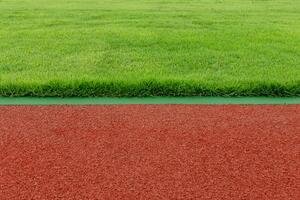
149	47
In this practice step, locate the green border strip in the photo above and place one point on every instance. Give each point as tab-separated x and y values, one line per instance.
148	100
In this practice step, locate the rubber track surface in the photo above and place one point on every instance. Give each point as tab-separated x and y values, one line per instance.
150	152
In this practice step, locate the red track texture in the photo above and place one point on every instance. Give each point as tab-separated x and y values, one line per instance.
150	152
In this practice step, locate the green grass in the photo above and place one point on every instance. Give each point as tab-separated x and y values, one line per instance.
149	47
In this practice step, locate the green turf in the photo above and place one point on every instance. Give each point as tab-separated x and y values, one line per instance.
149	47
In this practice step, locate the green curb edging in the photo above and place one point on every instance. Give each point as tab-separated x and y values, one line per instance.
147	100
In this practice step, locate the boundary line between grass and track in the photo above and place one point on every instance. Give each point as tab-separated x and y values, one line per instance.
147	100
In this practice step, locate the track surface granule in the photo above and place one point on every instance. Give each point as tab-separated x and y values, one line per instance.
150	152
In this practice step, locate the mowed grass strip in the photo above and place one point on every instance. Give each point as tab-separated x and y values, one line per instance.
149	47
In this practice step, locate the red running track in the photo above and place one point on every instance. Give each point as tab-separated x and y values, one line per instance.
150	152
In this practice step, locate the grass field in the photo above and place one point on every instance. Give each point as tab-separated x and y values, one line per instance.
149	47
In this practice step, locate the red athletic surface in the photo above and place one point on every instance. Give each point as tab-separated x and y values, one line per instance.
150	152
